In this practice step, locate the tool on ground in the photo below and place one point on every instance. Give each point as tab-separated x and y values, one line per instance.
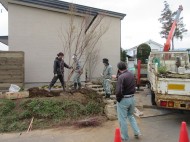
30	126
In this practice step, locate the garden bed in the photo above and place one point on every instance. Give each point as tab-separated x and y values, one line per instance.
64	109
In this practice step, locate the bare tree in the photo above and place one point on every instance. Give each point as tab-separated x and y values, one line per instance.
81	39
92	63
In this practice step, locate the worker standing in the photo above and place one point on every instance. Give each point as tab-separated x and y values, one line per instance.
125	89
107	74
77	72
58	70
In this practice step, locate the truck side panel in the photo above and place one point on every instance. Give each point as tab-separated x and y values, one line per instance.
173	86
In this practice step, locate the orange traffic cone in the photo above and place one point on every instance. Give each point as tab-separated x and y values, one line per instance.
183	133
117	135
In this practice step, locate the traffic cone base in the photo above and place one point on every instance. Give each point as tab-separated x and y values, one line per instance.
183	137
117	135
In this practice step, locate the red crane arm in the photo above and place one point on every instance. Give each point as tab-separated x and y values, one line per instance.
171	33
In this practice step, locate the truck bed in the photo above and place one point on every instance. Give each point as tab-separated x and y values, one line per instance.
174	75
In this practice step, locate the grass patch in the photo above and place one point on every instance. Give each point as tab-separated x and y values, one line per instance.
47	112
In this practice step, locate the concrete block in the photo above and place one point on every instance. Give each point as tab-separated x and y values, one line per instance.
17	95
94	86
106	101
101	93
113	96
110	111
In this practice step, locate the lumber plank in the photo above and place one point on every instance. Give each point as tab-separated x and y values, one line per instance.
11	54
11	67
11	72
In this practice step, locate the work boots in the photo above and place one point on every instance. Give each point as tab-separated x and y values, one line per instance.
63	88
75	86
49	88
107	96
79	86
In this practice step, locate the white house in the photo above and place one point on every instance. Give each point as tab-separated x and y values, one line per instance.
34	27
153	45
132	52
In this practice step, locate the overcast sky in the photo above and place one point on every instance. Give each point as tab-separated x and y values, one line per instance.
141	21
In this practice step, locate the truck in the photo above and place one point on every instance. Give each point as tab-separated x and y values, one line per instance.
169	75
169	79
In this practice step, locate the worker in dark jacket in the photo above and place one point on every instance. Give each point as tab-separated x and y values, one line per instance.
125	89
58	70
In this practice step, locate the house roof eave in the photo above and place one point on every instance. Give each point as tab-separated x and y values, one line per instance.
4	39
5	4
65	6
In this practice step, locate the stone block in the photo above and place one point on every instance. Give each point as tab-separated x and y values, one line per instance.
110	111
16	95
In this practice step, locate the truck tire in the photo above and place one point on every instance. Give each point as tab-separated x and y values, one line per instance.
153	98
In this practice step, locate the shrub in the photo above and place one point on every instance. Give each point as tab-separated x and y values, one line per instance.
6	107
162	70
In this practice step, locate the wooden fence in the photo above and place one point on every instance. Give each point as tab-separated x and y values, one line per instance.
11	69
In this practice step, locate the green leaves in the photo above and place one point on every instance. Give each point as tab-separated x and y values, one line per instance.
6	106
123	55
162	70
143	52
166	19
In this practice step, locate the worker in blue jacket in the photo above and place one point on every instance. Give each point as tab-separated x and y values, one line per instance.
107	75
77	72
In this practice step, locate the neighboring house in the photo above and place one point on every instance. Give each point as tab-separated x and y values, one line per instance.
153	45
4	40
34	28
3	43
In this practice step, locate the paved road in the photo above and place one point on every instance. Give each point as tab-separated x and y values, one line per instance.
163	128
155	129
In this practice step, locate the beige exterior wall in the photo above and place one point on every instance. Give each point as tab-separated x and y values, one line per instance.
109	45
36	32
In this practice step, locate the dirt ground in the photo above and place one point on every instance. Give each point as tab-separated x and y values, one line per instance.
104	133
81	96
